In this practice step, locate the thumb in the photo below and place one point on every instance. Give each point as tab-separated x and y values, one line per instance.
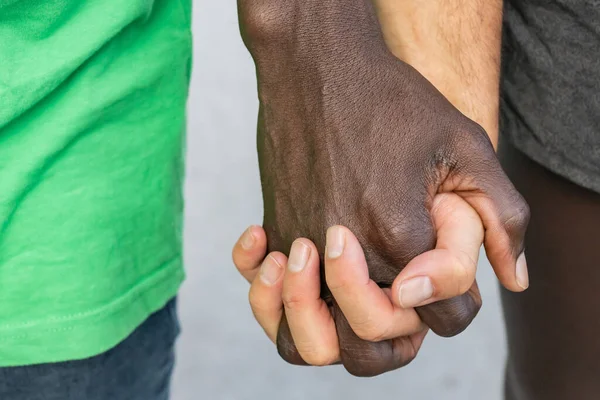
505	215
448	270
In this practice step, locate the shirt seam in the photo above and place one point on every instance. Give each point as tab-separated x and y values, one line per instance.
114	306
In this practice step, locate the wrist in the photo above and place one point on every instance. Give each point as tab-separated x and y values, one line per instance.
328	28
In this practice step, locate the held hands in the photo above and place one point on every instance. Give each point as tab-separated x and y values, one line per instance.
366	313
350	135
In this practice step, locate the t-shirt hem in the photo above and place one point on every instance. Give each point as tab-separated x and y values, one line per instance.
94	332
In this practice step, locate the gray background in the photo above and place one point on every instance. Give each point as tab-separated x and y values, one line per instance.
223	354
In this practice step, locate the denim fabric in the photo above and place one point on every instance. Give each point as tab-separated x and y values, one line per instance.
139	368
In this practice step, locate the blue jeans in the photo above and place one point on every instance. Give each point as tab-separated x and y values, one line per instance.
139	368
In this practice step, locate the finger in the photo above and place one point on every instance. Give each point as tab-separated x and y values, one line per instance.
369	311
249	252
448	270
310	322
265	294
365	359
503	211
450	317
285	344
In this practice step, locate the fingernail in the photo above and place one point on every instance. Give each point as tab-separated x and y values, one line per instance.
270	271
522	274
298	256
248	239
415	291
335	242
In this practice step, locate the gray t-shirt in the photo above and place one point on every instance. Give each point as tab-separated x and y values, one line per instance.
550	106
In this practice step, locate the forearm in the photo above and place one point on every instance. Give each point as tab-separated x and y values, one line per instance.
455	44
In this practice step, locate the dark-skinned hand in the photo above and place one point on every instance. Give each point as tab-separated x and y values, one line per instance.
292	285
350	135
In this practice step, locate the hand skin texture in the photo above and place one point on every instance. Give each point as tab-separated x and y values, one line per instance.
350	135
456	45
368	312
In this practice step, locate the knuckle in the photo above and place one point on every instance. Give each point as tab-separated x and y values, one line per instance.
292	300
257	302
408	235
369	331
477	133
469	135
473	148
261	20
336	282
517	218
371	335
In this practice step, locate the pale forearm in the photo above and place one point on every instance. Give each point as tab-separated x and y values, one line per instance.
453	43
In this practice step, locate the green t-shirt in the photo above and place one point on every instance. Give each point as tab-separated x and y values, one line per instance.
92	122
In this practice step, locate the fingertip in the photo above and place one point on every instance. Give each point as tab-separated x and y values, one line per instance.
308	243
257	238
279	258
433	276
415	292
342	244
517	281
335	242
249	251
251	244
413	286
303	253
251	241
511	272
344	258
522	274
271	270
